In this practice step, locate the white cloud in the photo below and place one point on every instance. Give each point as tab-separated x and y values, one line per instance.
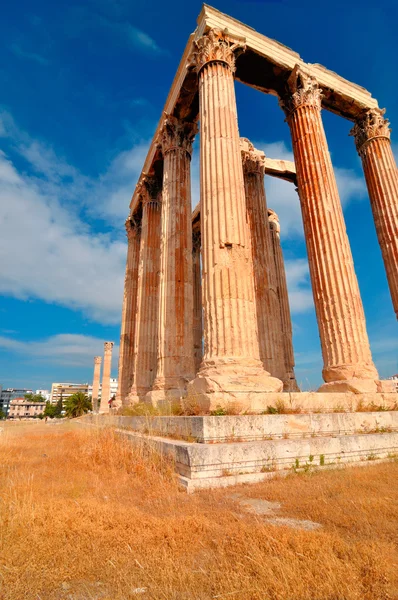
33	56
299	287
64	349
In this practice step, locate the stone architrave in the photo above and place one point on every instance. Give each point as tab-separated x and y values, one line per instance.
267	302
372	138
175	362
96	382
129	312
106	377
286	331
348	364
146	339
231	369
197	301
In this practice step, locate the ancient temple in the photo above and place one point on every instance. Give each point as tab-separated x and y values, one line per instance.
206	309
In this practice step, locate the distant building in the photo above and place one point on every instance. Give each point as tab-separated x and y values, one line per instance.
65	390
394	378
25	409
113	388
9	394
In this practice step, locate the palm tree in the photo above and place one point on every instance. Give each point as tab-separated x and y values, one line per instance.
77	404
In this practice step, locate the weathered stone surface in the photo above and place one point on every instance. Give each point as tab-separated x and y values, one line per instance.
372	138
197	301
106	377
341	320
129	313
231	363
96	381
286	330
175	362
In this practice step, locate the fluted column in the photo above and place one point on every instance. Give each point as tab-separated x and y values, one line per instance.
372	138
145	347
231	352
96	382
267	303
175	363
129	312
346	353
286	330
197	301
106	377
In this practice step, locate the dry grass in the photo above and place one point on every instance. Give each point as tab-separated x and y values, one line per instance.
85	516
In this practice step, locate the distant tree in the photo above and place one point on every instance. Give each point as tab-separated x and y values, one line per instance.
59	408
2	414
50	410
34	397
77	404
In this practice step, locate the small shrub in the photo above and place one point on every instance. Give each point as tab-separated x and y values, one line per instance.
322	460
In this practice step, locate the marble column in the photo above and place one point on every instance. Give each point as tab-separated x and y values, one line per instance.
175	362
129	312
348	364
197	301
286	330
231	369
96	382
146	339
372	138
267	302
106	377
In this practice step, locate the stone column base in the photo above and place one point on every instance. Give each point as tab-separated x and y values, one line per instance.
231	383
159	397
355	385
290	385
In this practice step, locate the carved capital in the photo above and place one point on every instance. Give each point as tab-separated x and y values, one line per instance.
217	46
108	347
150	190
97	360
177	134
371	124
273	221
133	228
302	90
253	161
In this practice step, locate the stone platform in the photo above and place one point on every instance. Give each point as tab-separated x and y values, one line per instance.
226	450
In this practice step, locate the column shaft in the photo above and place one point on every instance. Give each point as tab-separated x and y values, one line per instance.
129	313
372	136
96	382
106	377
338	305
267	302
231	350
145	359
286	331
197	302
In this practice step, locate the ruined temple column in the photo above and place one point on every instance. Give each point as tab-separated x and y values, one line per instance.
231	369
372	138
348	364
286	331
106	377
175	362
96	382
146	342
267	302
129	310
197	301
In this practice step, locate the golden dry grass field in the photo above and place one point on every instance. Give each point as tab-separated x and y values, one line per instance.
83	515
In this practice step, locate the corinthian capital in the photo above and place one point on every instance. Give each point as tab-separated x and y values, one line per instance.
97	360
108	347
133	227
177	134
273	221
303	90
253	160
217	46
370	125
150	189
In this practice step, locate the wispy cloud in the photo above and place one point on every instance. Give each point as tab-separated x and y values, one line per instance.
33	56
63	349
299	286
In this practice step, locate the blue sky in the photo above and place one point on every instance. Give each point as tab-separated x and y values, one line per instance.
83	85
